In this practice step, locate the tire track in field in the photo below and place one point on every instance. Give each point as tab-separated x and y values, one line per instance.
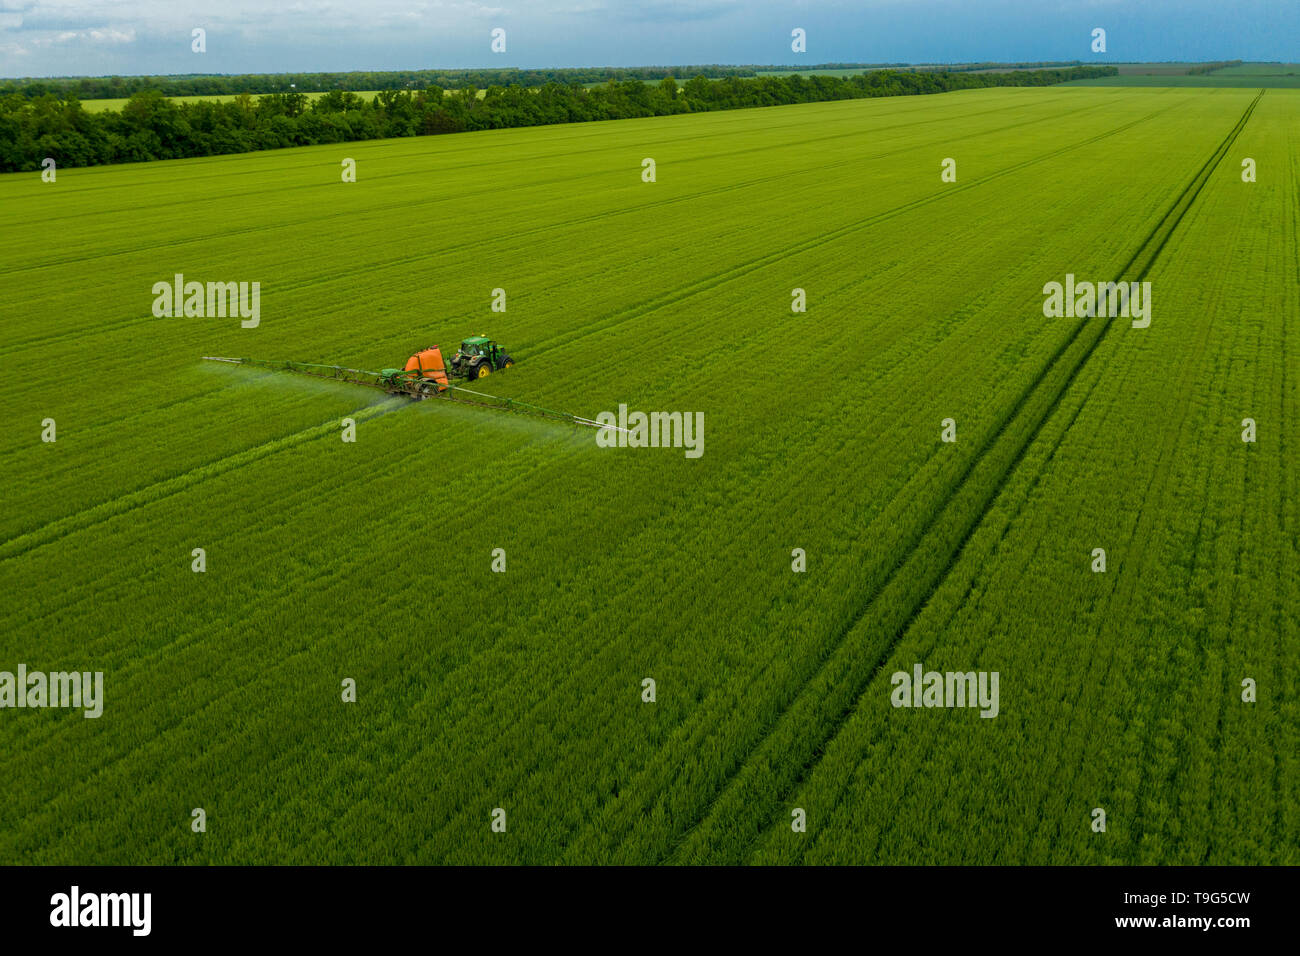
708	282
475	151
462	194
929	744
1144	527
370	269
974	492
113	507
1160	478
595	664
1143	534
624	825
185	641
818	168
735	272
1026	496
95	426
1142	531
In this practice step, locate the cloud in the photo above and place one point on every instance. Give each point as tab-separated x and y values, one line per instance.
96	37
105	37
680	11
100	36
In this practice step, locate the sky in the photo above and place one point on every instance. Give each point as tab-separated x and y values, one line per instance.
138	37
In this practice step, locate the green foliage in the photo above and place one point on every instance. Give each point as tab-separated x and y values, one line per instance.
1212	67
120	87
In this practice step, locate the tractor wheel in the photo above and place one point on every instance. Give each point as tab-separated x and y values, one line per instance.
507	361
484	370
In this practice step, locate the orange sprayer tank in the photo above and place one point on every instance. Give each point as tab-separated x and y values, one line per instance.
428	362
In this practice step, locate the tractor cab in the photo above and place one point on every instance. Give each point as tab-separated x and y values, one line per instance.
478	357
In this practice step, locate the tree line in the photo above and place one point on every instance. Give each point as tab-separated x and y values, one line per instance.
198	84
151	126
121	87
1205	68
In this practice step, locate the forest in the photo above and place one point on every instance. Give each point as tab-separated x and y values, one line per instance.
150	126
120	87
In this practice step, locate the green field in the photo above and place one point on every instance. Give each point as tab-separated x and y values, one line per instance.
1156	69
854	71
102	106
1260	69
522	690
1242	76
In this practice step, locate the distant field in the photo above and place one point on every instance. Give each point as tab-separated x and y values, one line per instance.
1155	69
925	67
1209	80
1245	76
1260	69
1131	74
523	690
589	86
103	106
849	72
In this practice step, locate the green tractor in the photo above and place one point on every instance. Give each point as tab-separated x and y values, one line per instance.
478	357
